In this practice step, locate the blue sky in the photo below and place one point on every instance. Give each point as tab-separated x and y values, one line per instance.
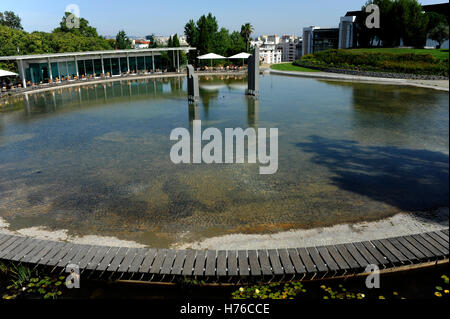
162	17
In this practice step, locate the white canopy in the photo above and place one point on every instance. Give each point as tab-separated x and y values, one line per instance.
242	55
210	56
7	73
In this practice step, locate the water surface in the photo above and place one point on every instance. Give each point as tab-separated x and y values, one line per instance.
95	159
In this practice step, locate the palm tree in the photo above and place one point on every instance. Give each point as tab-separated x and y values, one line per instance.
246	31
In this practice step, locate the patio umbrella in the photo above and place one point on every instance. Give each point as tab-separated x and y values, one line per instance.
242	55
7	73
211	56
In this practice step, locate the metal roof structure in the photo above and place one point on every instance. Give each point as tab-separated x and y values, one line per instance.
89	53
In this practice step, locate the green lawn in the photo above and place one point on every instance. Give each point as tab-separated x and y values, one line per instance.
437	53
290	67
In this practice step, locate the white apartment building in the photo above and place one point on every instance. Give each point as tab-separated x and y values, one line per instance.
291	48
269	53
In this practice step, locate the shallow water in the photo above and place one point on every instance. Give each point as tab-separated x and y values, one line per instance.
95	159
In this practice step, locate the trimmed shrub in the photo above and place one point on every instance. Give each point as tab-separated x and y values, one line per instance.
410	63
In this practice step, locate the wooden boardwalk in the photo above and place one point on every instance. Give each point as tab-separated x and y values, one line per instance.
150	264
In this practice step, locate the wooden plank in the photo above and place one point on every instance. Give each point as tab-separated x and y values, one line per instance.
286	262
394	251
243	263
232	263
411	248
356	255
117	260
411	257
442	235
188	267
428	254
255	268
88	257
338	258
84	249
109	256
13	245
445	231
19	249
98	258
200	263
126	262
221	263
296	261
320	264
429	239
166	267
69	256
275	262
159	261
375	252
24	255
178	263
210	269
263	257
438	239
386	252
307	261
7	243
366	254
351	262
44	260
138	260
37	255
427	245
148	261
61	254
325	254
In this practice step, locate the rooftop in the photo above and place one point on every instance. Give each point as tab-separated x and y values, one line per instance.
85	53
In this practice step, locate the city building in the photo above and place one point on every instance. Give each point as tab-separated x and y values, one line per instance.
291	48
140	44
316	39
42	68
347	34
269	53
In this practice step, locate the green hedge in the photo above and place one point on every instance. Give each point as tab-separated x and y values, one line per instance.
409	63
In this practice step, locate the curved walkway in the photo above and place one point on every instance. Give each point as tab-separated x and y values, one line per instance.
149	264
442	85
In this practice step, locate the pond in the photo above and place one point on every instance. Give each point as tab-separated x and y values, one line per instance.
95	159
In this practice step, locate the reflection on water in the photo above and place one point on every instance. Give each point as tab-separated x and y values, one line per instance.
95	159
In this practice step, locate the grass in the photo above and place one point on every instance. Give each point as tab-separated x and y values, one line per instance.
290	67
441	54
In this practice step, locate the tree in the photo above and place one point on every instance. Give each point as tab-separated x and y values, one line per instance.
246	32
83	29
439	34
399	20
122	41
11	20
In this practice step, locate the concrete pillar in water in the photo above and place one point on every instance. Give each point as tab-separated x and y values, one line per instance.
253	73
192	83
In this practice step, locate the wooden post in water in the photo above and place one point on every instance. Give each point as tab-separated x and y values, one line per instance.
192	83
253	73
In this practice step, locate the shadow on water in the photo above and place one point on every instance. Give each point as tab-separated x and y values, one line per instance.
408	179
